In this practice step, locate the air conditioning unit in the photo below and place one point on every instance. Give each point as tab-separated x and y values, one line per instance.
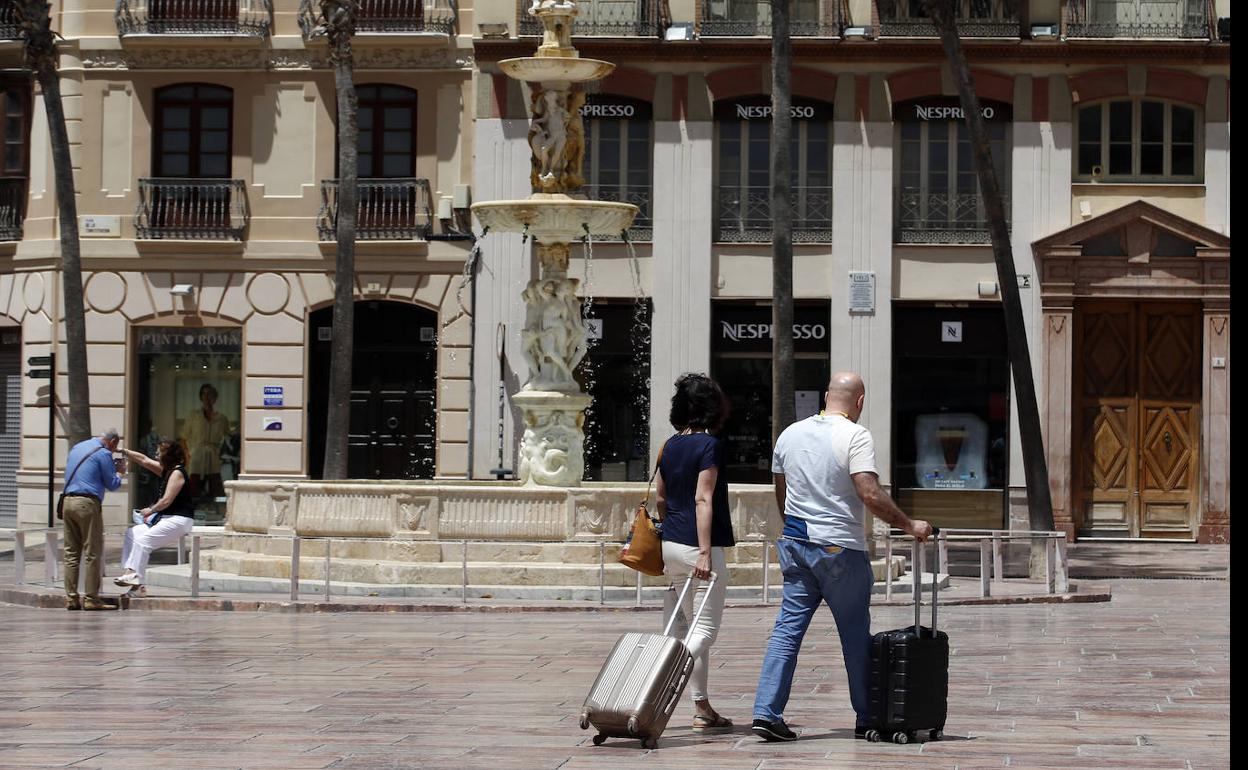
1224	29
1043	31
858	33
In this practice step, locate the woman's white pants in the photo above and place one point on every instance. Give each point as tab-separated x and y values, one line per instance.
141	540
678	562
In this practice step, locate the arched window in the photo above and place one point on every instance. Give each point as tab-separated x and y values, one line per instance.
617	165
743	170
387	119
192	131
1139	140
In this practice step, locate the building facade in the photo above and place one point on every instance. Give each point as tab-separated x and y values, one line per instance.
204	149
1109	130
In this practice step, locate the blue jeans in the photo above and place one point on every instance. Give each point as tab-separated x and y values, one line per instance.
812	575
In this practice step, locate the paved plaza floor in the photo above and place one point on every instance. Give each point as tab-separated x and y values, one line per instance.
1138	682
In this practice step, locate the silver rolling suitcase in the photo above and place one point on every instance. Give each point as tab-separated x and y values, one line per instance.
641	682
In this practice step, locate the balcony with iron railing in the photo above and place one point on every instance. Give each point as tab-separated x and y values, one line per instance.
604	18
752	18
642	228
237	18
1141	19
743	214
976	18
12	203
943	218
8	23
191	209
399	209
407	16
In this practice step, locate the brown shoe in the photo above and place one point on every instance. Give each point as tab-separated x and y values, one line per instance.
96	604
72	603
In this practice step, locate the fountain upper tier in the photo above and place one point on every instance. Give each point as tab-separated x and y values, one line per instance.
550	69
556	218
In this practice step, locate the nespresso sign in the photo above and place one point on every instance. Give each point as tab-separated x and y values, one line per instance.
615	107
737	328
759	108
950	109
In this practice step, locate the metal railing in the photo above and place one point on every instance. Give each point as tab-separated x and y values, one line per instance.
399	209
976	18
752	18
924	217
743	214
991	558
12	207
1186	19
248	18
603	18
399	16
8	23
642	228
191	209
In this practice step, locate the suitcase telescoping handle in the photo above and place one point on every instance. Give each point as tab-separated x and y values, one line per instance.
916	561
680	602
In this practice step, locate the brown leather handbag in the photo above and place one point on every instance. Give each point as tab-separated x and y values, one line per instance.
643	551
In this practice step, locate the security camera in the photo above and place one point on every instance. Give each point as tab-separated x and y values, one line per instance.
182	290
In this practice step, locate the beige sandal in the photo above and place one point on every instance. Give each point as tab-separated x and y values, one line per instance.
714	723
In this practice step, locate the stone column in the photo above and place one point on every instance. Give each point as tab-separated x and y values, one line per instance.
1215	450
1055	396
681	331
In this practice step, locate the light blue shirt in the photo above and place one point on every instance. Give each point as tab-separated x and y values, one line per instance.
97	473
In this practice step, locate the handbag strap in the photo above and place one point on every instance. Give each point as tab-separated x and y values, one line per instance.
81	463
646	500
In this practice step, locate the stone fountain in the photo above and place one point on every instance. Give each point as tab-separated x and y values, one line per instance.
554	339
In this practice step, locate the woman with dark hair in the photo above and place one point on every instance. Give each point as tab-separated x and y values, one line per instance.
691	497
165	521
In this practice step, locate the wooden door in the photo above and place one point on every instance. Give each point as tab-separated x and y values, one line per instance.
1137	405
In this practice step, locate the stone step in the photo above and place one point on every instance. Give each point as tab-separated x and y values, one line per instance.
312	567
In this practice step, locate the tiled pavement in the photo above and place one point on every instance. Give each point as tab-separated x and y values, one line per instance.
1138	682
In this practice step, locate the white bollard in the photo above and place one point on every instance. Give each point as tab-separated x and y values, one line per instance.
602	572
294	568
463	577
998	567
1050	568
766	571
985	576
888	567
19	558
638	589
327	570
51	549
194	566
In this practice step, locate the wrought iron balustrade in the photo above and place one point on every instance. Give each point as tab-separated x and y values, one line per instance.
247	18
191	209
12	207
8	23
642	228
399	16
976	18
743	214
604	18
926	217
399	209
1188	19
752	18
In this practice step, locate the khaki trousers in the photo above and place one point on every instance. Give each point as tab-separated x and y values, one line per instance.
84	541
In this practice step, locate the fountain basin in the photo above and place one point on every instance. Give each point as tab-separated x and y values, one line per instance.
556	219
551	69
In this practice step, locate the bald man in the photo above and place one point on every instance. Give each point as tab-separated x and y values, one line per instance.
824	468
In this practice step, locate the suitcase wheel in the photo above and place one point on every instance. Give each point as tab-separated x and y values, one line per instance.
585	720
873	736
936	735
650	743
900	737
632	726
599	738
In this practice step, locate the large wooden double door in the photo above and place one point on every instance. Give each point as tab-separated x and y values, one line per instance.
1137	394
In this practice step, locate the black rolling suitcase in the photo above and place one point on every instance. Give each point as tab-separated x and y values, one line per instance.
910	674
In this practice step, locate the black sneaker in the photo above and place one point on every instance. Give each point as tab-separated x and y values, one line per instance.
773	731
861	732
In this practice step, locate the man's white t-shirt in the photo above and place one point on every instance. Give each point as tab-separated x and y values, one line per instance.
818	457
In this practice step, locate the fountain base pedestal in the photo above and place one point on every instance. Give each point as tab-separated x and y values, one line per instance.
552	448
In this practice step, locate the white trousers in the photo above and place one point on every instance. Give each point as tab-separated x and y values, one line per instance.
678	562
141	540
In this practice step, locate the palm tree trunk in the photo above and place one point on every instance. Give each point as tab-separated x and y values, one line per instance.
338	424
782	406
79	427
1035	467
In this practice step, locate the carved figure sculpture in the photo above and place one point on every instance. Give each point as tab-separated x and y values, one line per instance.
550	452
548	136
575	347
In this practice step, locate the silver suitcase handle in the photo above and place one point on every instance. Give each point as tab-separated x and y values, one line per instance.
680	602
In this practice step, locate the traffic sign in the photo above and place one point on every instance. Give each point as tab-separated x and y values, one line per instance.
39	374
39	360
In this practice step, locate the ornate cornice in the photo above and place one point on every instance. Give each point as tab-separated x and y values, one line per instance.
366	58
910	50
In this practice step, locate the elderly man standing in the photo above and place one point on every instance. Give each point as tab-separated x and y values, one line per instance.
89	472
824	468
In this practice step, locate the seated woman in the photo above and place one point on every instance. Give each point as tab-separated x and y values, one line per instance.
165	521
